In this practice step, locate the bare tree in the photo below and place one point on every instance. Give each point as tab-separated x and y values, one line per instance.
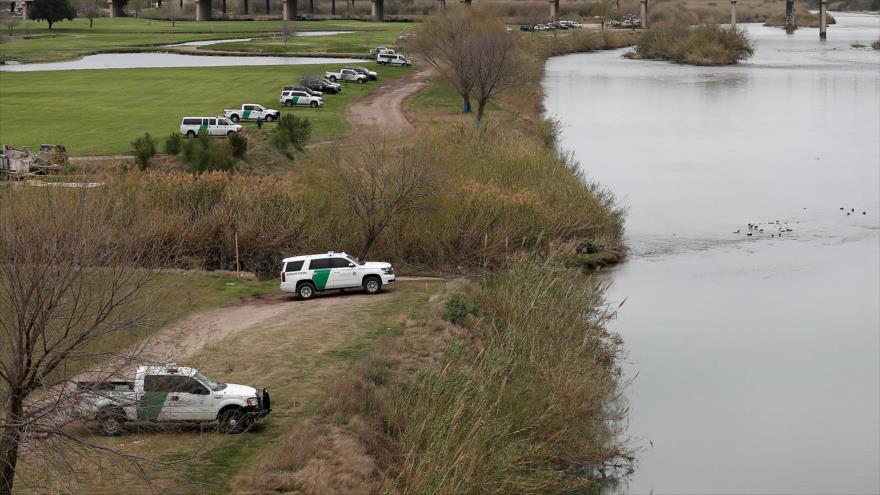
74	274
442	42
473	50
602	10
383	182
173	11
497	61
11	21
287	30
89	9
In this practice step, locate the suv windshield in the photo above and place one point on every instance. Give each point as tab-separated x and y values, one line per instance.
215	386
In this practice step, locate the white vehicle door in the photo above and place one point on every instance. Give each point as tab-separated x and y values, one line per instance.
342	274
189	400
213	128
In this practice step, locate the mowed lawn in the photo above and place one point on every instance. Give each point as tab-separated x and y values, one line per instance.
73	39
100	112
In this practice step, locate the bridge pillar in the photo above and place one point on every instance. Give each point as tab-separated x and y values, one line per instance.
643	13
222	6
203	10
378	10
349	7
288	10
245	5
26	9
823	18
268	9
115	8
789	17
733	15
441	5
554	10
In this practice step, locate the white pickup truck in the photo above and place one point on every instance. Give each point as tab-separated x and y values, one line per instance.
346	75
169	393
251	111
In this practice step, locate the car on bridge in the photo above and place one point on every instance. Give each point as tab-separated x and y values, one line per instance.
251	111
346	75
211	126
306	275
296	97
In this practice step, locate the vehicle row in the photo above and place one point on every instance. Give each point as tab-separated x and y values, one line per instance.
551	26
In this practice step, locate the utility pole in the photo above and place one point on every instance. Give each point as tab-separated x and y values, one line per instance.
823	18
789	17
644	13
733	15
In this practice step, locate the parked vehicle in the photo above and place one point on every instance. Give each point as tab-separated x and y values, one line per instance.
212	126
393	59
346	75
169	393
379	50
309	91
306	275
371	75
251	111
321	84
297	97
527	27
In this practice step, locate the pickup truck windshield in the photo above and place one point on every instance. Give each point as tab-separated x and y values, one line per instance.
216	387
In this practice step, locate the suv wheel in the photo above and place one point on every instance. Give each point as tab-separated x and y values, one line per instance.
372	285
305	290
314	104
112	423
270	118
332	78
361	81
288	103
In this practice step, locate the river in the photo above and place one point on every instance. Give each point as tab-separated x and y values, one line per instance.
754	358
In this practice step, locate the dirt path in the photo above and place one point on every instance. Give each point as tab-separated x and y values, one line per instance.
382	112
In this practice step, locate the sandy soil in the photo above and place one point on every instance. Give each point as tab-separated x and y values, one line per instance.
381	112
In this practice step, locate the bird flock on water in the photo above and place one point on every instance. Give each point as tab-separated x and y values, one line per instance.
777	228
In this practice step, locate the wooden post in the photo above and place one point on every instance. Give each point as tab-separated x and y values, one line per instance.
237	265
823	19
643	11
733	15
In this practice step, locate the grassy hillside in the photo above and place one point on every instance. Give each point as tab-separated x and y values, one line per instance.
99	112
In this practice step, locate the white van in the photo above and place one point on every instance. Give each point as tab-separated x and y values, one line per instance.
212	126
393	59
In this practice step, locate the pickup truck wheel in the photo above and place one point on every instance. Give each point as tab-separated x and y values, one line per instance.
314	104
372	285
234	421
234	118
361	81
112	423
270	118
230	133
305	290
288	103
191	134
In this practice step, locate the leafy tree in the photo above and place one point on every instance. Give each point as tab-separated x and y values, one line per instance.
52	11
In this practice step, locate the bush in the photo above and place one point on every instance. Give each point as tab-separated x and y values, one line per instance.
876	45
457	308
173	143
144	149
237	144
673	40
291	131
204	154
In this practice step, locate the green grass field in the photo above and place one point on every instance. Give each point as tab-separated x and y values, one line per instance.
99	112
34	42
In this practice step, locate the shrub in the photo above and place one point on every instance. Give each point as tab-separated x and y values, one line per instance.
173	143
144	149
673	40
237	144
204	154
458	307
876	45
291	131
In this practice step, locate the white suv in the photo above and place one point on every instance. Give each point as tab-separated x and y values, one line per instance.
305	275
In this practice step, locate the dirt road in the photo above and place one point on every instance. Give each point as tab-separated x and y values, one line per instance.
381	112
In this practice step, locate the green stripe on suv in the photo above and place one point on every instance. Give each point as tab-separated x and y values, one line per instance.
319	278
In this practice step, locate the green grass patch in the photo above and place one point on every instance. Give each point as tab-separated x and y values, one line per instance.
589	261
34	42
99	112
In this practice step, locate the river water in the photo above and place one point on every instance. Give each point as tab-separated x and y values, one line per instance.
754	358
